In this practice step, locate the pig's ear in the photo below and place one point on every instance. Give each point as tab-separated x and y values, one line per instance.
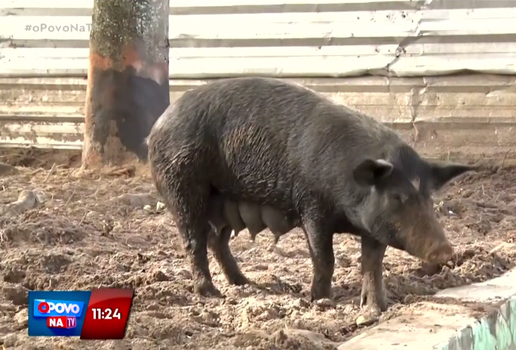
370	171
441	173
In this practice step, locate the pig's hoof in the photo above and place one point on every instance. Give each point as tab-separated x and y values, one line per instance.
319	292
207	289
373	303
237	279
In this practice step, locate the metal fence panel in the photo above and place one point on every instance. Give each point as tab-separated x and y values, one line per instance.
438	115
295	38
330	46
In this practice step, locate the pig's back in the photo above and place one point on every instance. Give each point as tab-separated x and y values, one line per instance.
259	137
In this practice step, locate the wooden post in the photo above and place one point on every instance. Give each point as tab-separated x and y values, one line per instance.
128	85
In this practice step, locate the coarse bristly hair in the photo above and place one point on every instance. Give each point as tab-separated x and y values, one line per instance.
319	165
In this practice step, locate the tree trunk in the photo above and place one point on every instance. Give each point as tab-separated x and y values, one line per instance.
128	85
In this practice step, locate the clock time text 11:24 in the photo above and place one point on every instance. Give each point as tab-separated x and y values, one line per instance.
105	314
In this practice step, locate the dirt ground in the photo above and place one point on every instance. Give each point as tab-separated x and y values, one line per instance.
83	235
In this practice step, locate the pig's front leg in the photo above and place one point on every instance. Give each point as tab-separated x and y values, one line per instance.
320	244
372	297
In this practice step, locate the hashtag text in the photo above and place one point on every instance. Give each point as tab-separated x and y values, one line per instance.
66	28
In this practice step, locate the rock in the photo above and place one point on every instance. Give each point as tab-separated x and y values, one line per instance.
136	331
140	200
22	317
9	341
277	250
209	318
466	193
230	301
498	248
26	201
185	274
14	275
296	338
409	299
153	306
40	197
160	276
6	169
366	320
343	260
325	303
300	303
160	206
244	315
15	293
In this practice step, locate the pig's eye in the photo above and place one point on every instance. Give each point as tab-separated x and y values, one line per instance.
398	197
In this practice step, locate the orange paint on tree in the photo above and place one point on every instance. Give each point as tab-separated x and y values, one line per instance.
131	58
127	79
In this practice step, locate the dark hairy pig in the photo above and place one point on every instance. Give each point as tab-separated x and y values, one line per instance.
328	169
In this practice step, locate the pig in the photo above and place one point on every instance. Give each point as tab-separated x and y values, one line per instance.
255	218
325	167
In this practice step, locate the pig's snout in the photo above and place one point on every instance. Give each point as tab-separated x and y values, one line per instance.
429	245
427	241
441	254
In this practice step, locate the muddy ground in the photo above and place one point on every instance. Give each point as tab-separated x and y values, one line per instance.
83	235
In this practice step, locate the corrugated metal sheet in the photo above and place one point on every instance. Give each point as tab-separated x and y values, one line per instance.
321	43
439	115
291	38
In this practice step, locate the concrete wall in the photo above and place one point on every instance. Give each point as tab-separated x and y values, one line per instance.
448	323
494	332
384	57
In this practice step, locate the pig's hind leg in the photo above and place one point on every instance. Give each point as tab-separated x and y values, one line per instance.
188	201
219	245
372	296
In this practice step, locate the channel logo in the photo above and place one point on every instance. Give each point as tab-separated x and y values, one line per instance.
56	308
64	322
98	314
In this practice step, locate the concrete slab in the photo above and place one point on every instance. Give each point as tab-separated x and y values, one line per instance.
492	291
424	324
435	326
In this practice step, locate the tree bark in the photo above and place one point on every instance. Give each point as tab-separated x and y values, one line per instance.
128	85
